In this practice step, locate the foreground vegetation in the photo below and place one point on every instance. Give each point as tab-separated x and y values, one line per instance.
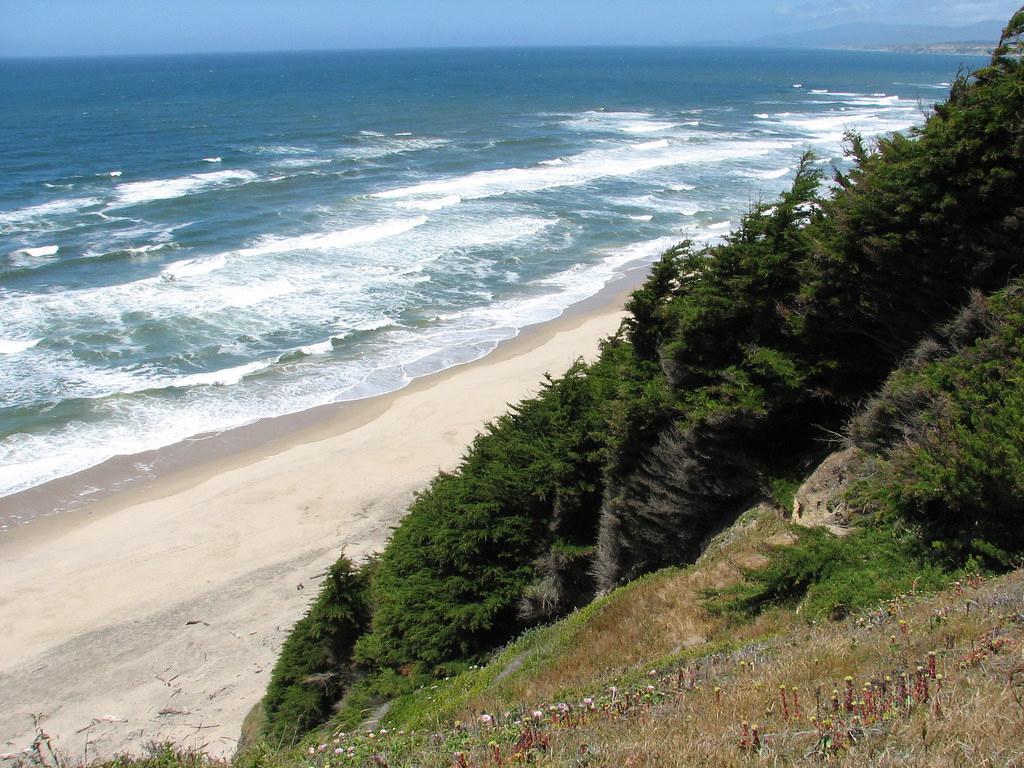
648	676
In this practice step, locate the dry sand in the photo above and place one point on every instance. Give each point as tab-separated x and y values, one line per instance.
157	613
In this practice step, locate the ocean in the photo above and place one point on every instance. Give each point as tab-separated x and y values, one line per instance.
193	243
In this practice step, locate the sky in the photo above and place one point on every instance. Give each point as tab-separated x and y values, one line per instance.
90	27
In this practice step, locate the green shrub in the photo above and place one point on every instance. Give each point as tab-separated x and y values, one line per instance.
954	459
314	666
829	576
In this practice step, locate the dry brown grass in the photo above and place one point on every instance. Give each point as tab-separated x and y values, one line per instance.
598	706
657	617
973	716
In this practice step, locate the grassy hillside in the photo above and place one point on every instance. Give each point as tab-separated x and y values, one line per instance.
648	676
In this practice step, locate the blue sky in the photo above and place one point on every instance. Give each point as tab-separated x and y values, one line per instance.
77	27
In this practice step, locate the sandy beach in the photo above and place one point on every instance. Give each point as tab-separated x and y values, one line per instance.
157	612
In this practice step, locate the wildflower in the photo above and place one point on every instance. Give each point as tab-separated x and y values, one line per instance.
339	751
537	714
486	719
322	747
311	751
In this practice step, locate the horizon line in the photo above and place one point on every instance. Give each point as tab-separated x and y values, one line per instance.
502	47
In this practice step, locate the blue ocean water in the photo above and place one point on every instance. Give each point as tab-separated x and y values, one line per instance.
191	243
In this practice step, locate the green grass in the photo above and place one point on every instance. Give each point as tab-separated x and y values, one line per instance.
830	576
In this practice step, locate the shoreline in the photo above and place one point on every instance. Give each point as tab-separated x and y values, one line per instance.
156	612
84	490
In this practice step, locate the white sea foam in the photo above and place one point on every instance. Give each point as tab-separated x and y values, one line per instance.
323	241
935	86
112	174
279	149
767	175
430	204
192	267
644	217
561	290
384	146
869	118
43	216
321	348
710	234
224	378
14	346
40	252
649	145
624	122
151	248
585	167
688	209
300	162
139	192
211	159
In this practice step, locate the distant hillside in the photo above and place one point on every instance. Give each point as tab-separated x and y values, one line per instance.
866	35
